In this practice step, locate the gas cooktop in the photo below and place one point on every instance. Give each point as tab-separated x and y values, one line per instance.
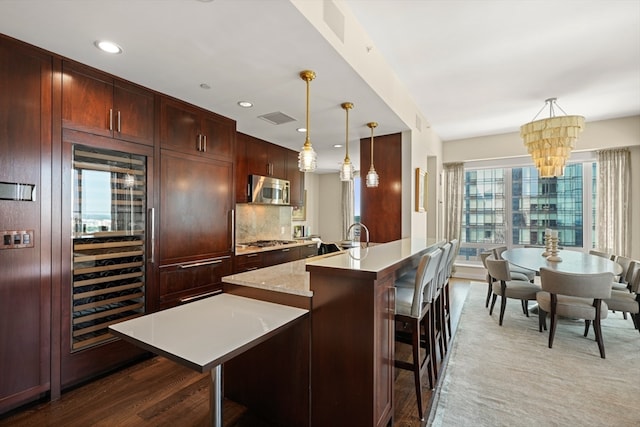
268	243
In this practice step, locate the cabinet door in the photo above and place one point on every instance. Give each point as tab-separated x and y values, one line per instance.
219	136
241	171
247	262
178	126
296	178
87	100
196	195
257	157
277	157
309	250
26	281
133	113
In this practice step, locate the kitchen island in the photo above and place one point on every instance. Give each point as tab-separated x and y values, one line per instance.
350	333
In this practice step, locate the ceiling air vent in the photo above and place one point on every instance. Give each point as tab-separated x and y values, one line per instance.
277	118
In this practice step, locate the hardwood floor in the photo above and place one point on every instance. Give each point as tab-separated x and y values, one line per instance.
158	392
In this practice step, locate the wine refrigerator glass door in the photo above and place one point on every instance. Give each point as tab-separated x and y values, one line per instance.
108	250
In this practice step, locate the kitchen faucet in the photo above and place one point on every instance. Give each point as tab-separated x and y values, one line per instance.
361	226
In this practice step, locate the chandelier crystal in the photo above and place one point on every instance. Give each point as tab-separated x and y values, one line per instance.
550	141
307	158
346	170
372	176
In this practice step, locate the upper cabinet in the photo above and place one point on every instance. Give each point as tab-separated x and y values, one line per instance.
296	178
266	159
99	104
189	129
257	157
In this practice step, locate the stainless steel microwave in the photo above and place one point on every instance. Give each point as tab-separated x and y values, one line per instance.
269	191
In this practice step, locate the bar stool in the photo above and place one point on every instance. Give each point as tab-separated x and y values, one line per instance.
415	309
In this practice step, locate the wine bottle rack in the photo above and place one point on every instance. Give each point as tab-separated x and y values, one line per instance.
108	243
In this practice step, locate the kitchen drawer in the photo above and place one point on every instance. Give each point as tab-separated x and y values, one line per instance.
182	282
280	256
309	250
248	262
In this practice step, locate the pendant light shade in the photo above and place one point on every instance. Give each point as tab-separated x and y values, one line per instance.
346	171
550	141
307	156
372	176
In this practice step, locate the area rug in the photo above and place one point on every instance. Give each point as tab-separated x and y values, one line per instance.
507	376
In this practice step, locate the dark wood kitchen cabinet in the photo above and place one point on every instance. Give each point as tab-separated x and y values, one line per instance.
26	280
264	158
195	219
188	129
257	157
100	104
309	250
247	262
280	256
296	179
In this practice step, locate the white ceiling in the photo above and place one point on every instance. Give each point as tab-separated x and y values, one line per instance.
473	67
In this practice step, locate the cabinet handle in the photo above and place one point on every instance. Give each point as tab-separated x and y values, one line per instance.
252	255
199	145
286	250
110	118
204	143
232	230
200	264
152	220
196	297
119	128
251	268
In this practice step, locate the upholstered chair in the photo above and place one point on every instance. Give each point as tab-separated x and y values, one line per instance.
625	301
506	287
483	256
449	270
415	309
574	295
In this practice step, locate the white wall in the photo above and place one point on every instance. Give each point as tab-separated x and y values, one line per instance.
604	134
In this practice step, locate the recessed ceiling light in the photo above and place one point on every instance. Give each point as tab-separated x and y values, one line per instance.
245	104
301	130
337	145
205	86
107	46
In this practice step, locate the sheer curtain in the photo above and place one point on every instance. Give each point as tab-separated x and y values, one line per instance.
613	196
453	197
347	206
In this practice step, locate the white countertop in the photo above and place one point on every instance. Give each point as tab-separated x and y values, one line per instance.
293	277
205	333
375	258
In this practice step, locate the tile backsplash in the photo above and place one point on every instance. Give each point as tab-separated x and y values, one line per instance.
262	222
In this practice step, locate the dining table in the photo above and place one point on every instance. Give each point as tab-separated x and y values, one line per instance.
204	334
571	261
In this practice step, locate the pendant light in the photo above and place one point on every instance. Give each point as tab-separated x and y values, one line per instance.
307	156
346	171
372	176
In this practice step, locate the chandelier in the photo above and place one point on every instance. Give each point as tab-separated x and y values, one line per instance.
372	175
307	156
550	141
346	170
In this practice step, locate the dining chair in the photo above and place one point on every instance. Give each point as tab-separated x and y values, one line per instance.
622	284
506	287
574	295
483	256
415	309
600	253
439	300
517	273
627	301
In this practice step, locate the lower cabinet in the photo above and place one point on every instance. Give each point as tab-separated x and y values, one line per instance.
247	262
308	251
280	256
181	283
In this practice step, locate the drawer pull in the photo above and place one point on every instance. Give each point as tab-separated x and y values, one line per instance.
196	297
252	255
200	264
286	250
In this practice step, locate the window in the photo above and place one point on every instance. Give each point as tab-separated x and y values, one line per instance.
513	206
